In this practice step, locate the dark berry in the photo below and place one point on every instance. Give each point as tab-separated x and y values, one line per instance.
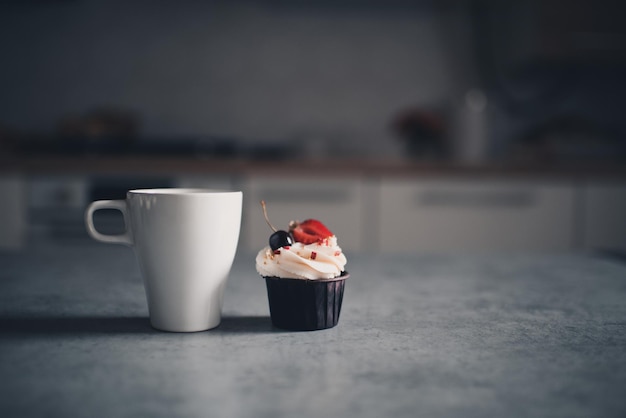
279	239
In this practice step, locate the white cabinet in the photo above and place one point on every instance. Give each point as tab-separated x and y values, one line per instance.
604	212
475	216
337	202
56	207
371	213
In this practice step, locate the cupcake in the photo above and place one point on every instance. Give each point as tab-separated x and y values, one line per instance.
304	272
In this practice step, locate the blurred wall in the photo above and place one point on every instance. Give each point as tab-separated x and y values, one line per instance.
267	70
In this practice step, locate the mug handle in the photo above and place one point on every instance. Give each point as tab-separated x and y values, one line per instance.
125	238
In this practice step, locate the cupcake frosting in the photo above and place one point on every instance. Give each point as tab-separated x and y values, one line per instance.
324	260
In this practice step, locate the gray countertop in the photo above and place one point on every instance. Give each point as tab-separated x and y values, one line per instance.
432	336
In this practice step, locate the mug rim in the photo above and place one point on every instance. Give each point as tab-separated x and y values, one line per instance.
183	191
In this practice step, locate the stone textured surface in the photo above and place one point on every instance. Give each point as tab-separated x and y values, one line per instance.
428	336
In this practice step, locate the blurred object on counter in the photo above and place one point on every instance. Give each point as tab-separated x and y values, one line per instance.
315	143
101	123
8	139
423	132
569	138
470	137
103	130
270	150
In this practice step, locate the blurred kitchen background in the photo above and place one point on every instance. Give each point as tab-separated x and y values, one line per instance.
406	126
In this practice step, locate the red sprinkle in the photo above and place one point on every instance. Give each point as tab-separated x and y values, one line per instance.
337	253
286	247
313	255
276	251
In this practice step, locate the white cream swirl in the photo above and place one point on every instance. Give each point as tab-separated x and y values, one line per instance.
298	261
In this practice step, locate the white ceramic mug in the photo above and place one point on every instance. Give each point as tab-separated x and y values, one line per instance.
185	241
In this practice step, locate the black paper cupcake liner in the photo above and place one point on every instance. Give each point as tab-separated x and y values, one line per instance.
305	305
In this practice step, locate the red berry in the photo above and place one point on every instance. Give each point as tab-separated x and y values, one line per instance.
310	231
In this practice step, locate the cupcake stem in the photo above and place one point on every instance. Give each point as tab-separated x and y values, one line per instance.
265	215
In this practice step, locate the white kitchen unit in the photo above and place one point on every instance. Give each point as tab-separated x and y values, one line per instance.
377	211
338	202
604	212
475	215
56	206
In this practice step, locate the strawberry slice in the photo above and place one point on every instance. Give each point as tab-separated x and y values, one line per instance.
309	231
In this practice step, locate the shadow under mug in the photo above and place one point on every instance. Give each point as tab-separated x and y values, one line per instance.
185	242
